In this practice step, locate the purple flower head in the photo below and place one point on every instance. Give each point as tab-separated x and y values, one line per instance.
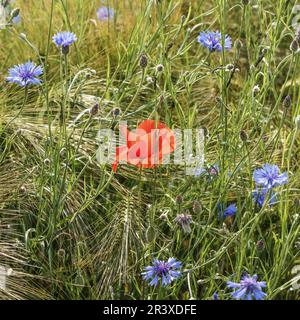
215	296
17	19
105	13
184	220
214	170
260	196
248	288
213	41
64	39
269	176
228	212
166	271
25	74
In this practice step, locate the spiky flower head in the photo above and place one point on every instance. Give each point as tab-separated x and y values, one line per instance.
213	41
64	39
105	13
164	271
25	74
248	288
269	176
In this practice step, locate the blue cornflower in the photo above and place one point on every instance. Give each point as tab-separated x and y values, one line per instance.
25	74
248	288
213	41
269	176
215	296
105	13
17	19
64	39
259	196
167	271
228	212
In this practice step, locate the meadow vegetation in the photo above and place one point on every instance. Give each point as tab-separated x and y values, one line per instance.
72	228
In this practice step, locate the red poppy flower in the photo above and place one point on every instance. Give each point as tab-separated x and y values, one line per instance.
146	146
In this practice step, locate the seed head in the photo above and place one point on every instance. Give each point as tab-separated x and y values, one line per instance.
184	220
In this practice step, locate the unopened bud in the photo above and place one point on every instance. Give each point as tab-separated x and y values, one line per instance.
229	67
256	90
163	217
159	68
238	44
116	112
61	253
143	61
260	245
179	199
287	102
65	50
15	13
197	207
94	110
23	36
243	136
